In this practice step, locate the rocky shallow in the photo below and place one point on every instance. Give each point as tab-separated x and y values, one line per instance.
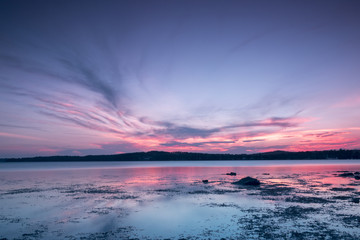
163	204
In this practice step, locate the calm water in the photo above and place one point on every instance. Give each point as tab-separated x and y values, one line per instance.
168	200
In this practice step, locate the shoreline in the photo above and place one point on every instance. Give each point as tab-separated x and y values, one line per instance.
192	156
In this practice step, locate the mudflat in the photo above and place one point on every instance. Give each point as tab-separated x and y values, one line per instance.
172	202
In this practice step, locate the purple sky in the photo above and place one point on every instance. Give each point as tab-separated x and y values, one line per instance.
103	77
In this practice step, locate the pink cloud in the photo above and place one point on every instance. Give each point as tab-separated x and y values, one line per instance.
13	135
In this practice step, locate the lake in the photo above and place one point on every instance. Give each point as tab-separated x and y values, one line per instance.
309	199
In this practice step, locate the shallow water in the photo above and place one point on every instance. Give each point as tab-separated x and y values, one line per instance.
168	200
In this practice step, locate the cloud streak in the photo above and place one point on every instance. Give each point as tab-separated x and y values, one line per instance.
194	144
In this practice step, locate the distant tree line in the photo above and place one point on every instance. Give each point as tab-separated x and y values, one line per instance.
177	156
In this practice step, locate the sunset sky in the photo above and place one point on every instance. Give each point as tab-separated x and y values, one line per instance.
104	77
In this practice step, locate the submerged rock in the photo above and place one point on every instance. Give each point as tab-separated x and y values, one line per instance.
355	175
248	181
347	174
205	181
231	173
340	189
304	199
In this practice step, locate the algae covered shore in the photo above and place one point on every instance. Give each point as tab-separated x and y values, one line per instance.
291	202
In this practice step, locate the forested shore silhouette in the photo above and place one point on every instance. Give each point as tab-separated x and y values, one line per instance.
191	156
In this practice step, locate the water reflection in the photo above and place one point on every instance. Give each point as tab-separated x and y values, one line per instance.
173	202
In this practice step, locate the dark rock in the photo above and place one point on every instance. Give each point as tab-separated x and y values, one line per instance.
248	181
231	173
352	220
266	173
357	173
205	181
199	192
348	174
303	199
342	197
339	189
357	177
296	211
276	191
355	200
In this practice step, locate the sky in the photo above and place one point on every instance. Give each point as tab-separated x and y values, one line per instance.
105	77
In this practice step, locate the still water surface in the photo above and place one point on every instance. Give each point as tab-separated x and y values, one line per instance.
168	200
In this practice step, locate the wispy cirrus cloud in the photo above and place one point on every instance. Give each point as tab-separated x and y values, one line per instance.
87	77
183	132
194	144
325	134
18	126
254	140
12	135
